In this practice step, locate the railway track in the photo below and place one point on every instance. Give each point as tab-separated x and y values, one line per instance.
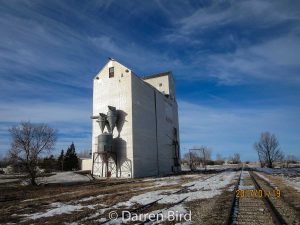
289	214
256	202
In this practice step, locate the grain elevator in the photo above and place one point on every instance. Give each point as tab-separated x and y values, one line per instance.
134	124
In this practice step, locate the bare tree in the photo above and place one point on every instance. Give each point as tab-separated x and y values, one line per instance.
28	142
194	160
268	149
199	155
205	155
219	159
236	158
185	159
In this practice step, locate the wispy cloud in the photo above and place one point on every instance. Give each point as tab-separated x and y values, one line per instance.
49	55
51	50
137	56
235	129
269	61
240	41
245	13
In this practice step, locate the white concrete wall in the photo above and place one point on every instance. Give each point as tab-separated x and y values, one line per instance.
115	92
160	83
166	122
85	164
165	84
154	118
144	129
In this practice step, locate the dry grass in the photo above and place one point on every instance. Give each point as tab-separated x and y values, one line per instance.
213	211
290	195
37	199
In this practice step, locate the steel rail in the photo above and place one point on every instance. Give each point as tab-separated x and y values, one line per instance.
234	201
276	216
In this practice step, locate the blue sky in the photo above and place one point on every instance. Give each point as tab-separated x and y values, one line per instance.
236	66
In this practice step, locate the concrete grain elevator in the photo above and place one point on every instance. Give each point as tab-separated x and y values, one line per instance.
135	124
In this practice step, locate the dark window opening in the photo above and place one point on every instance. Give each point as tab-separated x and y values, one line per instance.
160	84
111	72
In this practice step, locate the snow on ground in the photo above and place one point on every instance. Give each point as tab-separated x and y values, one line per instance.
293	182
211	167
60	178
98	213
86	199
163	178
278	170
165	183
191	196
10	178
170	178
263	177
190	175
286	175
179	210
201	189
266	179
242	186
215	182
144	198
57	208
64	178
5	181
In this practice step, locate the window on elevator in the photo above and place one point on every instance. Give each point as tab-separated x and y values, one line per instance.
111	72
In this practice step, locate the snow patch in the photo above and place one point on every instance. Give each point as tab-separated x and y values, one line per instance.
278	170
57	209
242	186
200	190
267	180
293	182
86	199
63	178
165	183
212	183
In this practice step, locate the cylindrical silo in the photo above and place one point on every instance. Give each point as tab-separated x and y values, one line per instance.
105	142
